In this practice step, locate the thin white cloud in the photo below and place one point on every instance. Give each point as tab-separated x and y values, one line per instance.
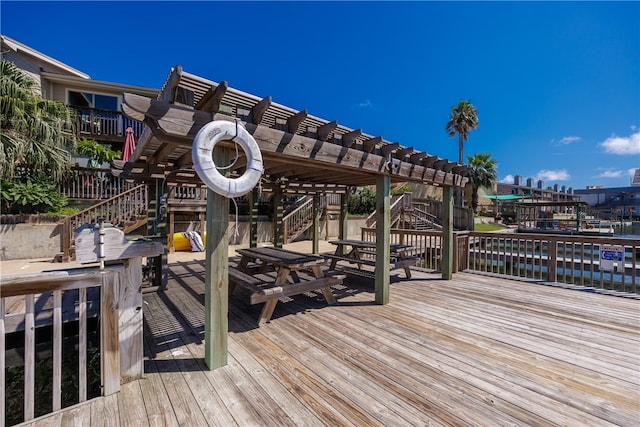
507	179
364	104
551	175
569	139
610	174
622	145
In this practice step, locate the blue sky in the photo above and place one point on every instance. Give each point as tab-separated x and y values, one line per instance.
556	84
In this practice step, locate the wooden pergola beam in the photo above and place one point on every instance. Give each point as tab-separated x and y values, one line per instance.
429	160
438	165
258	110
184	160
325	130
416	158
211	100
448	166
386	149
162	154
180	125
168	94
293	122
403	152
461	170
349	139
369	145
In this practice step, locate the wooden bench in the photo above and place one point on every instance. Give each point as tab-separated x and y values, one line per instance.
396	262
256	291
332	256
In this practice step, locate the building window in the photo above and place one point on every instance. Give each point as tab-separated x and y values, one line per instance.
93	100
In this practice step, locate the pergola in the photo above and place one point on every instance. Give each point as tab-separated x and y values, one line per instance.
302	154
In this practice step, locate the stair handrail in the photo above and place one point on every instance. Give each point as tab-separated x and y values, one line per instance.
421	215
394	211
129	203
298	220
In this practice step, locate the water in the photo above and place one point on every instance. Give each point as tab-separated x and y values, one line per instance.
628	231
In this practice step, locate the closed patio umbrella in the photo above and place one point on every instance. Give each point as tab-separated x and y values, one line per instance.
129	145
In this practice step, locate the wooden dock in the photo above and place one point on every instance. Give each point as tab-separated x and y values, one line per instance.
474	351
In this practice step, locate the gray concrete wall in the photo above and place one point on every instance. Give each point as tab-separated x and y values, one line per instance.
29	241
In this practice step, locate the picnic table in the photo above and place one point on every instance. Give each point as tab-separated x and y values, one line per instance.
288	282
400	255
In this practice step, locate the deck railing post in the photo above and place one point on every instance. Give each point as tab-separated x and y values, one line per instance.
109	334
552	259
446	265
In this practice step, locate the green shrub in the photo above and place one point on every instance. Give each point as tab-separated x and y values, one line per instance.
97	153
363	202
31	195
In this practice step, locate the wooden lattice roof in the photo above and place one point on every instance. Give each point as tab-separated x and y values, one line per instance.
301	152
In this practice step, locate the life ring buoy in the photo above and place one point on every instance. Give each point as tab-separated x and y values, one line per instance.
202	152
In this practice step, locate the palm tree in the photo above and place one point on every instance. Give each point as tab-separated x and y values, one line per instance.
464	118
483	174
36	133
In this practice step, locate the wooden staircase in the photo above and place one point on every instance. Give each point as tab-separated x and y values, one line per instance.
300	217
410	214
127	211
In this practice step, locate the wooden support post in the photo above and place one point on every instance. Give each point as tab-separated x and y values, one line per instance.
446	264
278	226
383	238
344	217
216	286
253	219
156	222
109	333
130	321
316	224
172	230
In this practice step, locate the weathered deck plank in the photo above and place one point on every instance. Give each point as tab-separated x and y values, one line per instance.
477	350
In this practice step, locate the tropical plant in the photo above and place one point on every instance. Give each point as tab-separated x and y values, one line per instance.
36	133
463	118
26	195
484	173
96	152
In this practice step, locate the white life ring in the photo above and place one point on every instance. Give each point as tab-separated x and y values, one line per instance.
202	154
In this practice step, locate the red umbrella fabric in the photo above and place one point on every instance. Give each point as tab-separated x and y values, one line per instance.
129	145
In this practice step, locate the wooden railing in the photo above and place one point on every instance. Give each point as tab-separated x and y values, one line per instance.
98	124
397	205
127	206
50	289
573	260
300	218
432	209
420	216
462	217
92	184
427	246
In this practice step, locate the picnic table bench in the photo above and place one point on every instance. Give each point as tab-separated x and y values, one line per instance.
287	282
399	254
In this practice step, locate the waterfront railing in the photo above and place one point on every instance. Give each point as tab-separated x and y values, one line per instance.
564	259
